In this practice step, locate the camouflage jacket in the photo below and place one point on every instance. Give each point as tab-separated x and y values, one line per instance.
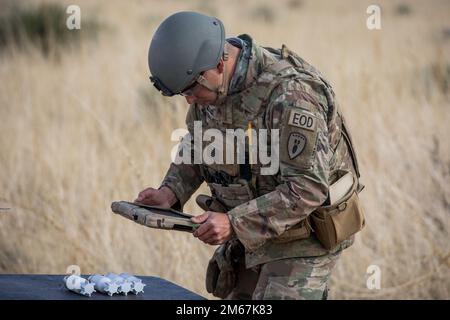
293	97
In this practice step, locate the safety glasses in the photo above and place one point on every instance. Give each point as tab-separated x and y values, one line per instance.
189	91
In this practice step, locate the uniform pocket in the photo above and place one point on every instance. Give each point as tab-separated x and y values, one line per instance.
277	289
222	268
232	195
334	224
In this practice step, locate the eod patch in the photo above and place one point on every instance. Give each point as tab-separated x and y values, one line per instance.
302	119
296	144
298	138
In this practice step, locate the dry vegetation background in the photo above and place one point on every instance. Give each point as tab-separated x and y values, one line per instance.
81	127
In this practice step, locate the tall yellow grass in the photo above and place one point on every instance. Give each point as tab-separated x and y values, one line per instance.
86	129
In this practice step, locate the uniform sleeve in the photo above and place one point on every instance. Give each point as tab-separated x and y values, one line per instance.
184	178
304	157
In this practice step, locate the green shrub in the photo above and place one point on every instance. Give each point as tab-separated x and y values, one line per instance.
403	9
43	26
264	13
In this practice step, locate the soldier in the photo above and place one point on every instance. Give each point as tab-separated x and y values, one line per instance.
268	249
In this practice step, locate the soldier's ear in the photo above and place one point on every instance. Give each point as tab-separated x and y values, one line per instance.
220	65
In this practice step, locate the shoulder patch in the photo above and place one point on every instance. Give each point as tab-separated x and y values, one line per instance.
298	138
296	144
302	119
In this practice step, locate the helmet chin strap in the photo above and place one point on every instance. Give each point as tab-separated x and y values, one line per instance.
221	90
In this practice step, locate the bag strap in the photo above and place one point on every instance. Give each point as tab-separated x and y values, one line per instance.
348	140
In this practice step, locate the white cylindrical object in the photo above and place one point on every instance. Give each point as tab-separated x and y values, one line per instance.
129	277
79	285
103	284
137	286
112	276
73	282
125	286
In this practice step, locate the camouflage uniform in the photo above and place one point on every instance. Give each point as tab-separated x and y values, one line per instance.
273	89
293	278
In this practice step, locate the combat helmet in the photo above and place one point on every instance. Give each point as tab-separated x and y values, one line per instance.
185	45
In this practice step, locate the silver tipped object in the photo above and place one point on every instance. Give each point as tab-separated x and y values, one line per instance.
104	284
125	286
79	285
137	286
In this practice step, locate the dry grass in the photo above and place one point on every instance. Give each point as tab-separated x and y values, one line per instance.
84	129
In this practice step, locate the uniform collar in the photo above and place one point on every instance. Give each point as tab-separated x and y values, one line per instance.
249	65
237	82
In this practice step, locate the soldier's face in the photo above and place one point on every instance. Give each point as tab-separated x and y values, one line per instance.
200	94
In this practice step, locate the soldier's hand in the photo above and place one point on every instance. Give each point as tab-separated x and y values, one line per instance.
163	197
215	227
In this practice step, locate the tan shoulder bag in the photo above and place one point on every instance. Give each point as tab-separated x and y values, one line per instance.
344	217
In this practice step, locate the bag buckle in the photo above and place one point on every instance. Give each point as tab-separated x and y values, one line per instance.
342	206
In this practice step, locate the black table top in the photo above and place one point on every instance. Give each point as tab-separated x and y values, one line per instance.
51	287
